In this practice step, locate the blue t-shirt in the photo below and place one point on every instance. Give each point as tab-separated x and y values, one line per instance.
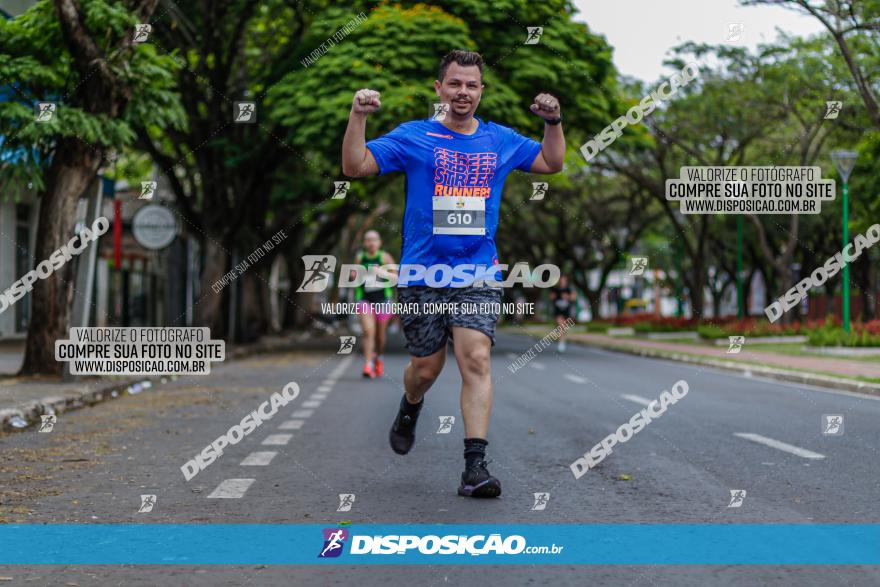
453	189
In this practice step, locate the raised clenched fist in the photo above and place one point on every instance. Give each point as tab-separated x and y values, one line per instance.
546	106
365	101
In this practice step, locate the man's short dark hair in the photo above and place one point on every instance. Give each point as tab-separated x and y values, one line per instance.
463	58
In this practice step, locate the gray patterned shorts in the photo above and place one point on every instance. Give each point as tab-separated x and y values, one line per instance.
428	331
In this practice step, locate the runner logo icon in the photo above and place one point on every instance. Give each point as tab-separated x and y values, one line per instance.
48	422
245	112
541	500
535	33
539	189
441	109
639	264
736	344
148	188
346	345
832	424
446	424
44	111
736	498
832	109
319	268
346	500
147	503
141	33
735	31
340	189
334	540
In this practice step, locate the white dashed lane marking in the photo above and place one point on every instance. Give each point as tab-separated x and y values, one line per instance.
236	488
574	378
638	399
779	445
536	365
277	439
291	425
231	489
258	459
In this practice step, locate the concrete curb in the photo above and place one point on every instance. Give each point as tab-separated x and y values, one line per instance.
31	411
840	383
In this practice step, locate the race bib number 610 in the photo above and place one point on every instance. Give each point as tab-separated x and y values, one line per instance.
459	215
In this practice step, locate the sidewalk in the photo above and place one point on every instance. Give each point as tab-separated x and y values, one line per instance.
11	355
24	399
831	372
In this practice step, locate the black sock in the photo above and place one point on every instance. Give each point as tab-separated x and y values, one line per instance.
474	451
410	409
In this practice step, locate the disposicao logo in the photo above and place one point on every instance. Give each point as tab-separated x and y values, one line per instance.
334	540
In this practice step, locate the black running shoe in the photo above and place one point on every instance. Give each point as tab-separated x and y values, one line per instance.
403	431
477	482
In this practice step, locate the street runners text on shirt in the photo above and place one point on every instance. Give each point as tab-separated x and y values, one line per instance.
452	308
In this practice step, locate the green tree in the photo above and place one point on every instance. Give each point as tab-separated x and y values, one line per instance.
81	56
854	26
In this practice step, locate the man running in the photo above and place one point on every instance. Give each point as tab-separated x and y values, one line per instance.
563	297
455	171
372	299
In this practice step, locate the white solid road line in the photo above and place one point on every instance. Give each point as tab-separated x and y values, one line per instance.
638	399
231	489
311	404
302	413
536	365
277	439
291	425
779	445
574	378
258	459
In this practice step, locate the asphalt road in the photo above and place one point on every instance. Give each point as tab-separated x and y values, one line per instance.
728	433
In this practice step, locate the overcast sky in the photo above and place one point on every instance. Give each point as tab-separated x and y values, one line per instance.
641	32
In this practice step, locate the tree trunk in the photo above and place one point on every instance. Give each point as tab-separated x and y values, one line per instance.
867	312
212	308
295	318
70	174
594	297
717	297
697	285
871	288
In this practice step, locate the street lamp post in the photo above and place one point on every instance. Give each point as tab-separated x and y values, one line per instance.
845	161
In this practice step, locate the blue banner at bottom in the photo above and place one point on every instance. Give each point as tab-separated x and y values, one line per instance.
598	544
